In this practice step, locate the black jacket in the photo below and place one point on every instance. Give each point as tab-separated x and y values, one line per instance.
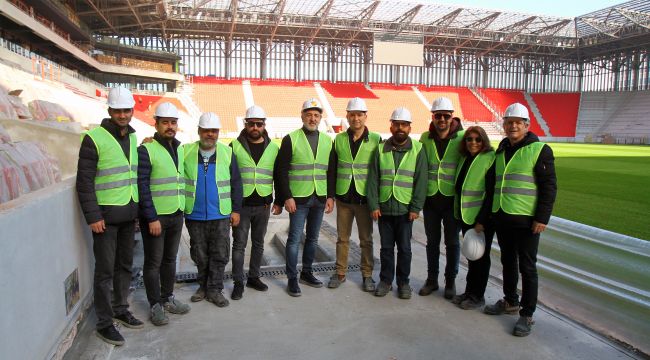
86	170
352	196
485	213
147	209
281	175
254	199
438	201
545	180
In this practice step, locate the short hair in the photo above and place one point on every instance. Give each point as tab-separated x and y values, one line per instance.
485	140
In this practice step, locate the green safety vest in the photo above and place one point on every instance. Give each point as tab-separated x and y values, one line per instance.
258	177
308	174
472	192
116	180
167	182
398	183
515	191
222	176
442	173
347	167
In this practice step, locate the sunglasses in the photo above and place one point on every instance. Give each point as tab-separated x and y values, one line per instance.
474	139
258	124
442	116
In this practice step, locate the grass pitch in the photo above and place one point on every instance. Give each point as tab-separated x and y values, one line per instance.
605	186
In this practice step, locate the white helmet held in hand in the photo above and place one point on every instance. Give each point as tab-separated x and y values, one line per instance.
442	104
167	110
356	104
255	112
401	114
517	110
473	246
209	120
120	98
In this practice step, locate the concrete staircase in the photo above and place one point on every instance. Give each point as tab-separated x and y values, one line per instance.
538	115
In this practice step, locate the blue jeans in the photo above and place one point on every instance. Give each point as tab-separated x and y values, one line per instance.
312	213
395	231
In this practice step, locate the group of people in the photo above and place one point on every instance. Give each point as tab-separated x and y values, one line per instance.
453	176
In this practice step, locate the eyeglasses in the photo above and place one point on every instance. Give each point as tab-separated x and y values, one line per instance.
442	116
474	139
258	124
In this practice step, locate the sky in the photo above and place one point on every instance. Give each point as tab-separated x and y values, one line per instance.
561	8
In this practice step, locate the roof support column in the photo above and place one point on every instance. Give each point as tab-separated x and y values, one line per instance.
366	65
264	45
297	56
228	59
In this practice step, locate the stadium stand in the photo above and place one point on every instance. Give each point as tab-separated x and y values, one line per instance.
222	97
501	98
281	98
560	111
348	90
471	108
615	114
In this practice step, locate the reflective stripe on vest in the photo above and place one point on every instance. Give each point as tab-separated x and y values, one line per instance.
515	191
442	173
473	190
116	180
348	167
306	173
222	176
167	183
398	184
256	176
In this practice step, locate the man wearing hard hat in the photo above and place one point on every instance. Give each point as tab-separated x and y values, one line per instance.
108	193
255	154
306	188
353	151
524	195
397	186
442	145
213	200
161	186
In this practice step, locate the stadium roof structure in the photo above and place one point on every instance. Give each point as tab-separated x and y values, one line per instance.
346	23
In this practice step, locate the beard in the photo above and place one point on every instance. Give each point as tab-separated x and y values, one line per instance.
400	137
254	135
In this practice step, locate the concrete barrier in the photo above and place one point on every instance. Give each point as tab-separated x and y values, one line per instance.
44	240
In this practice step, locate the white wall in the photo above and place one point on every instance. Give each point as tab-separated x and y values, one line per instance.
44	238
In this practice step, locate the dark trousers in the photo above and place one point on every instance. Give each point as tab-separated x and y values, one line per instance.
254	219
433	217
160	252
519	255
210	251
478	271
395	231
113	250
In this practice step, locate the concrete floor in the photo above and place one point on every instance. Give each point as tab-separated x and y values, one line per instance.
344	323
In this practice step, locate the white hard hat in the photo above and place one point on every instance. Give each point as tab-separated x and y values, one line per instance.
120	98
473	246
517	110
255	112
356	104
442	104
401	114
166	109
209	120
312	103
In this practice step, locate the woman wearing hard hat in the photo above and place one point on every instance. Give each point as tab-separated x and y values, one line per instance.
473	205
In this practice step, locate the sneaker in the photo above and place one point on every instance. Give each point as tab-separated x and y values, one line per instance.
459	298
127	319
450	288
256	284
501	307
430	286
404	291
237	291
199	295
335	281
217	298
383	289
110	335
472	303
307	278
293	289
158	316
368	284
176	307
524	326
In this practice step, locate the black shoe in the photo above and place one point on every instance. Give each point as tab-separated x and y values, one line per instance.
127	319
256	284
450	288
404	291
430	286
110	335
293	289
216	297
309	279
237	291
524	326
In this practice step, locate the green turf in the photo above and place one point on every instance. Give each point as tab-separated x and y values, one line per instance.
605	186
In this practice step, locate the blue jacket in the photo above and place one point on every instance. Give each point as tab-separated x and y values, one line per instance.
206	198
